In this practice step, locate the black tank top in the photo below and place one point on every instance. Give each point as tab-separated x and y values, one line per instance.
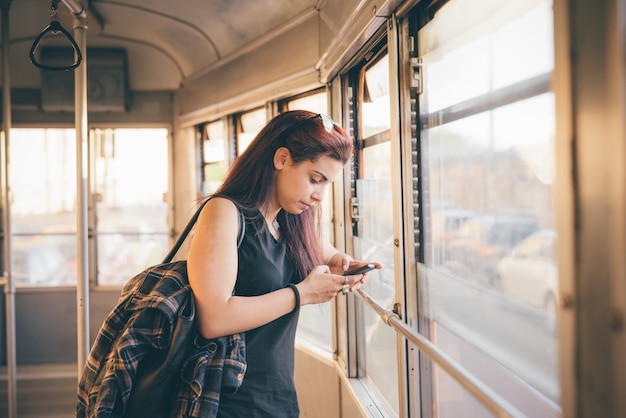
268	388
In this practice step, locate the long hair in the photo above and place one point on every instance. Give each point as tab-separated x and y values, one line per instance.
250	180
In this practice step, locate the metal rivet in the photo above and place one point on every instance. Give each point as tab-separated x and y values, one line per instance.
567	301
616	320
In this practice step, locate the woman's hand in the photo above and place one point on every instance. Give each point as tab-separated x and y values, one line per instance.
325	282
339	263
320	286
357	281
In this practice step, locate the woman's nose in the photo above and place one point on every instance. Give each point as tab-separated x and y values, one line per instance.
318	195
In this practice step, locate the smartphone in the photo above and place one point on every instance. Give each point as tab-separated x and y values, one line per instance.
360	270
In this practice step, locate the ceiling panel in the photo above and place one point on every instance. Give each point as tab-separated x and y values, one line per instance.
188	36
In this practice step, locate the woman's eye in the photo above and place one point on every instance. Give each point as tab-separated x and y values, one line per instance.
315	181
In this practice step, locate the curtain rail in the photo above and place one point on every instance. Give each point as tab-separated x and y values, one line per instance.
495	403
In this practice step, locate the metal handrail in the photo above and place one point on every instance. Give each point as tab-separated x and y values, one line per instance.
499	406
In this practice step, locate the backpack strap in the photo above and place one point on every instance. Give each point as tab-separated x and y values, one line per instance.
183	235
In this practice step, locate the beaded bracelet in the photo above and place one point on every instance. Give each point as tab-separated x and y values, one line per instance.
296	293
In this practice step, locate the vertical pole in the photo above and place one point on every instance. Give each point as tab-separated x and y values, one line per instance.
593	365
82	146
9	285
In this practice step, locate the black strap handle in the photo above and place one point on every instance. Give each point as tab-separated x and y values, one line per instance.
183	235
55	27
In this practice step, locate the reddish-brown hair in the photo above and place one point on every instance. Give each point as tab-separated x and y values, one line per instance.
250	181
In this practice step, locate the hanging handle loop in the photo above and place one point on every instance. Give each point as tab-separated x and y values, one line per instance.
55	27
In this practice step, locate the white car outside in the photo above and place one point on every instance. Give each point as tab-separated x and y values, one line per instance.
530	275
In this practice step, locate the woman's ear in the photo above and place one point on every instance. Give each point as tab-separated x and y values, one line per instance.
281	156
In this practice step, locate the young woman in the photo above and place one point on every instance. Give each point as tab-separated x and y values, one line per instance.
282	262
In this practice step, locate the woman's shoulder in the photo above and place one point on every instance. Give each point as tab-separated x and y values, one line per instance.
218	210
221	201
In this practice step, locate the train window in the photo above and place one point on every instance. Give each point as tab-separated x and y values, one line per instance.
316	102
214	163
376	112
131	212
373	237
315	323
250	123
487	131
42	173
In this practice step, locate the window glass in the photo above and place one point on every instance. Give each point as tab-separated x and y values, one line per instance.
214	160
213	147
376	107
131	182
317	103
476	53
250	124
42	175
315	323
374	236
487	152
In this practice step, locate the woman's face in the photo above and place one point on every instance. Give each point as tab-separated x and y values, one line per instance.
298	186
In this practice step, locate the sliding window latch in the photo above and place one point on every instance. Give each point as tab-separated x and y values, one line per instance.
354	203
417	81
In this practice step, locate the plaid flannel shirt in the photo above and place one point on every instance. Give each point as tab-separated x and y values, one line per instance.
142	322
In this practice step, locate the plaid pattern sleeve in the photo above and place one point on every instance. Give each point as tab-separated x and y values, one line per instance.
141	323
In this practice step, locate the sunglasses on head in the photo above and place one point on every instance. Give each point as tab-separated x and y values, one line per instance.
328	123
